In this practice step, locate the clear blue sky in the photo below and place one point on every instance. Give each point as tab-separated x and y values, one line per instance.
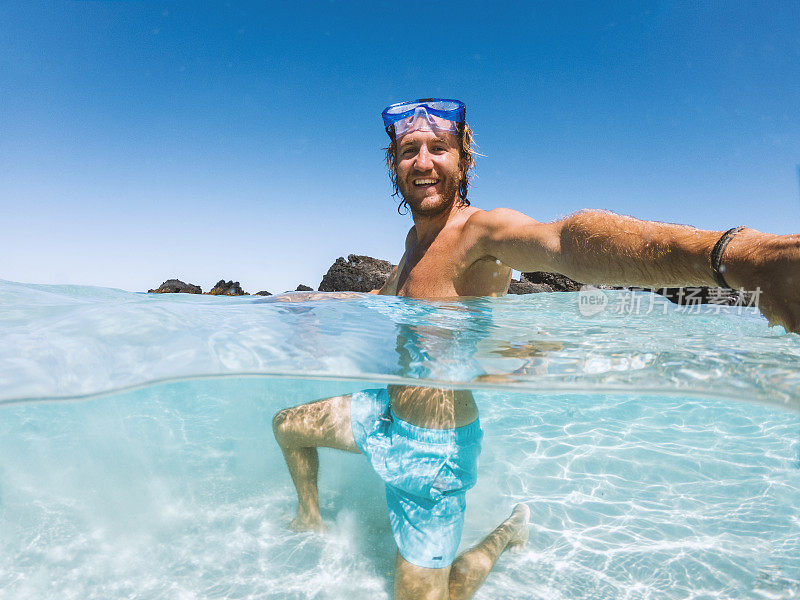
146	140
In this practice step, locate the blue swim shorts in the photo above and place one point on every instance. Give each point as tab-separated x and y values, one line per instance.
427	473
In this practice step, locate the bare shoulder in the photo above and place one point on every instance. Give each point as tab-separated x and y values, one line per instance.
514	238
489	222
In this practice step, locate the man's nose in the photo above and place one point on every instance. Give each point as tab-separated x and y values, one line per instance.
424	162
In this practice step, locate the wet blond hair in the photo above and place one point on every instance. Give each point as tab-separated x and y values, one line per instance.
466	154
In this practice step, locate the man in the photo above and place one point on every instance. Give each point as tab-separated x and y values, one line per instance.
424	442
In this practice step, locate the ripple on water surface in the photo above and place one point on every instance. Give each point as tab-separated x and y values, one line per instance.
69	341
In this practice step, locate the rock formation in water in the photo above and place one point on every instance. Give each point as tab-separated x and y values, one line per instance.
356	274
526	287
176	286
364	274
227	288
555	281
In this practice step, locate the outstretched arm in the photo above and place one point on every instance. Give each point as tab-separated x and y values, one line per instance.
604	248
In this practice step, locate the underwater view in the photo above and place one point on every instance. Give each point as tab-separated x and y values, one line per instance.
658	449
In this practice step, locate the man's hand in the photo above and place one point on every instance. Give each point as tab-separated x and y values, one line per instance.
769	264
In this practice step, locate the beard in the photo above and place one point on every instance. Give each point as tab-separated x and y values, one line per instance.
446	199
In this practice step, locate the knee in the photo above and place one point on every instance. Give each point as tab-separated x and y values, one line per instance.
282	424
419	583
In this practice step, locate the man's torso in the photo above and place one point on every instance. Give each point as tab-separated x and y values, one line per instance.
449	266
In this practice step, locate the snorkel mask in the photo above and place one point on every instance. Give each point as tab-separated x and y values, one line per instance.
426	114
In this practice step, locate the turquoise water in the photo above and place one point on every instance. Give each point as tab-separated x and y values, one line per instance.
659	452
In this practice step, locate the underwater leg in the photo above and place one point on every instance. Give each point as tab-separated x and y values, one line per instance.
412	582
462	579
299	431
469	570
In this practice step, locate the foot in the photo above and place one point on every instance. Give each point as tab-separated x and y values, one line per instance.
517	523
308	524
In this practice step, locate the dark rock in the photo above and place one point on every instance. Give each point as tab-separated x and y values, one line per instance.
304	288
176	286
356	274
263	293
526	287
227	288
556	281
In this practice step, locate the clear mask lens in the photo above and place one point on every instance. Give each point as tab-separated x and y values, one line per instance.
422	120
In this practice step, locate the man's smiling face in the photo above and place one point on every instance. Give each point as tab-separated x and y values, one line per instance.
428	171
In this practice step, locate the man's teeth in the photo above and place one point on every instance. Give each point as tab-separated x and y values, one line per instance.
425	181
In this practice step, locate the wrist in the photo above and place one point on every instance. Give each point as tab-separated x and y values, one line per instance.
717	268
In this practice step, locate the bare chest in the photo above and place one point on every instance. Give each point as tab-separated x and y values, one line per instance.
444	270
430	272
